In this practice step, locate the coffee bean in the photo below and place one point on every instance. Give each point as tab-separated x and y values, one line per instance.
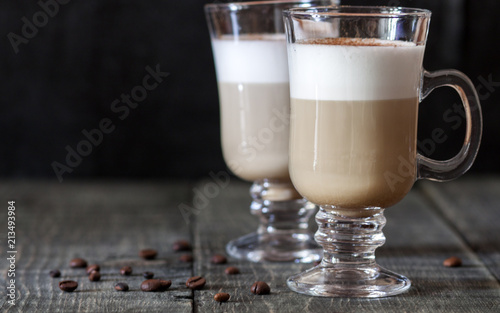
95	276
126	270
148	275
187	258
181	245
260	288
148	254
196	282
68	285
218	259
222	297
155	285
316	263
78	262
232	270
93	267
452	262
55	273
121	287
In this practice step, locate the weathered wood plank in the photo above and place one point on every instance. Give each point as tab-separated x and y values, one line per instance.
105	223
472	206
418	240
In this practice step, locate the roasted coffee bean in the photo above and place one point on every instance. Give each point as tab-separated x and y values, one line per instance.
78	262
316	263
121	287
232	270
93	267
196	282
55	273
95	276
155	285
187	258
222	297
260	288
148	254
218	259
148	275
181	245
126	270
68	285
452	262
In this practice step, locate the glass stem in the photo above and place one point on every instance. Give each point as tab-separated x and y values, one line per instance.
349	240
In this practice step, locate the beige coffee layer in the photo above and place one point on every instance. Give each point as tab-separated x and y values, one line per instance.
255	129
353	154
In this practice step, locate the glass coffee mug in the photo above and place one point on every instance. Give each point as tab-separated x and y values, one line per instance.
353	145
249	47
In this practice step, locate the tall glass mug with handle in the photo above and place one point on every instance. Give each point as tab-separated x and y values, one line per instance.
249	48
353	143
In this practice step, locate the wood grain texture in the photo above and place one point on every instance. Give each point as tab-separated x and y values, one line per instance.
472	207
417	243
109	222
106	224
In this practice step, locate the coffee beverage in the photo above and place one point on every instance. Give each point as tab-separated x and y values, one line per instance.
354	105
252	75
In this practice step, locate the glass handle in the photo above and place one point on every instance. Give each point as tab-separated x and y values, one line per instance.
450	169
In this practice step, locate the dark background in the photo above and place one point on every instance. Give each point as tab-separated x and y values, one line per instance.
65	78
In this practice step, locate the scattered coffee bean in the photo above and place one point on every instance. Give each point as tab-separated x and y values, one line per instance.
95	276
452	262
68	285
55	273
187	258
232	270
121	287
196	282
155	285
222	297
93	267
218	259
316	263
181	245
148	254
126	270
260	288
148	275
78	262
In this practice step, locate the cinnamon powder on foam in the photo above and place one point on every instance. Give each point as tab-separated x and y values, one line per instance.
344	41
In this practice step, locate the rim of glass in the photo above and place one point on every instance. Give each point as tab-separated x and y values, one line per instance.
358	11
235	6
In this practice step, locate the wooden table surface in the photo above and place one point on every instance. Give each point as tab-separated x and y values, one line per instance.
109	222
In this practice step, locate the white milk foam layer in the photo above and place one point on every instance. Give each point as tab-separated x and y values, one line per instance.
355	72
251	59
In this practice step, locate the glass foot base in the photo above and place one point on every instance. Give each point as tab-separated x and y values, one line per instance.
331	281
298	248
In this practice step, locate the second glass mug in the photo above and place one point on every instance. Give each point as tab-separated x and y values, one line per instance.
355	89
249	47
